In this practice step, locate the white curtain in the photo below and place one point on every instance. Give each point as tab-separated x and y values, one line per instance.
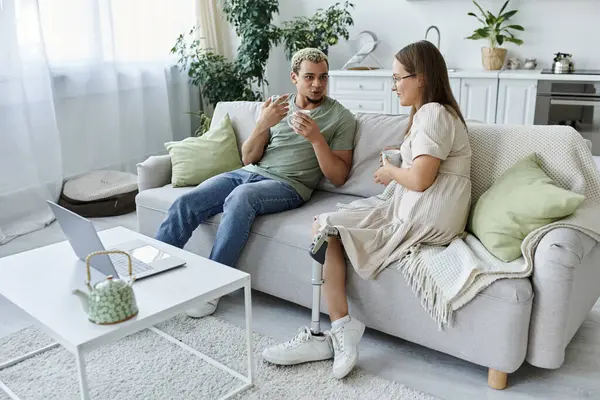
214	31
30	155
84	84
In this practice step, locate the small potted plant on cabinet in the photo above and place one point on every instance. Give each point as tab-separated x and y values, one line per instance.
497	32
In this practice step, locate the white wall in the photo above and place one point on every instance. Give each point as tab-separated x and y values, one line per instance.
568	26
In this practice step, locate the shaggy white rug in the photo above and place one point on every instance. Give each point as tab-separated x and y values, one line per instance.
146	366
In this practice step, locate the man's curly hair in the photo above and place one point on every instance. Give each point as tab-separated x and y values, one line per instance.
308	54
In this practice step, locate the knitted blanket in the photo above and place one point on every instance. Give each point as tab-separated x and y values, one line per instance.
446	278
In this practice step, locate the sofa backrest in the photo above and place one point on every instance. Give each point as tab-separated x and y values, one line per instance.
489	143
494	151
243	115
375	131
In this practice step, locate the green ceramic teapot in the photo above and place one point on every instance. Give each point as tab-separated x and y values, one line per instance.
112	300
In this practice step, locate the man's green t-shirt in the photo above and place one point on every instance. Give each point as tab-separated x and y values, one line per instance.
290	158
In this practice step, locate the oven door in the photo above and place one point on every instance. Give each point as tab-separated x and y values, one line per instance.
583	114
576	104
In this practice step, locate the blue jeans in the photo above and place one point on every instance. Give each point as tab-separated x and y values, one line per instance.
240	196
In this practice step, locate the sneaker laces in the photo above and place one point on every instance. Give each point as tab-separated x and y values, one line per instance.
303	336
337	339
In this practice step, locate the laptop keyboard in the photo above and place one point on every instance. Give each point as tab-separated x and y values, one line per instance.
121	264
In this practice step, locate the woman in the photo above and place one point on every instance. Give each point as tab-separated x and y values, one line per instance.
429	205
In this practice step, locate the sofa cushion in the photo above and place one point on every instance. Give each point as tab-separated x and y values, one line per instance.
375	132
523	199
290	227
195	159
243	115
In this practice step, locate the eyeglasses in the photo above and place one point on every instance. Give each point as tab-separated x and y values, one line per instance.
396	79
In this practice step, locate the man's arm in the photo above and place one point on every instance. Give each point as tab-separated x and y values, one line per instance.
335	164
271	114
254	147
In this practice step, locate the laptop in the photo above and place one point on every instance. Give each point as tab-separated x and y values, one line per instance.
146	259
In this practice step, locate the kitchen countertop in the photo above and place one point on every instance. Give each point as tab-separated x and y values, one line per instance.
455	73
524	74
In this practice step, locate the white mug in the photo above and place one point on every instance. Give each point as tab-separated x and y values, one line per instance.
290	118
394	156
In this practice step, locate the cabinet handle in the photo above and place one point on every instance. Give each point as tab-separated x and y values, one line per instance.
360	86
359	105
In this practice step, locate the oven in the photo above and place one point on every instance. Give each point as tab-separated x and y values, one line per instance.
574	103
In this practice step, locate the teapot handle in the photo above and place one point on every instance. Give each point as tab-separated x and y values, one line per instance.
96	253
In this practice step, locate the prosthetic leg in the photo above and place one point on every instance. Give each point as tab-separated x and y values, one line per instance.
317	251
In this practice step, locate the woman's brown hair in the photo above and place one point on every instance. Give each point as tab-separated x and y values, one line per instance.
423	58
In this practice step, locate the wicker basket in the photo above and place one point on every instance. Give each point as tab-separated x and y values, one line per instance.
493	59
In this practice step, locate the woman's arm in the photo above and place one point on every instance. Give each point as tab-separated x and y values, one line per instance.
418	178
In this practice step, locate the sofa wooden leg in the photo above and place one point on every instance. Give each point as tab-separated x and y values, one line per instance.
497	379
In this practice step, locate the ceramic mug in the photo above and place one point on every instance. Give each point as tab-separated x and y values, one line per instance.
290	118
514	63
393	156
530	63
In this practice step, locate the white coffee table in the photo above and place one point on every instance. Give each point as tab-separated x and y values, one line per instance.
40	283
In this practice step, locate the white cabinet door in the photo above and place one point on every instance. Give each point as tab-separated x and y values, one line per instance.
362	94
478	98
516	101
455	86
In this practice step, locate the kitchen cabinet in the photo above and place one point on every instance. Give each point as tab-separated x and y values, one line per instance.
455	86
478	99
503	97
516	101
370	94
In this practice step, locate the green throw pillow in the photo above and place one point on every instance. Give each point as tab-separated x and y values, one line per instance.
195	159
523	199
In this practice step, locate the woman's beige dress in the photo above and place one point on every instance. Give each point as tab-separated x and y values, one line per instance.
374	236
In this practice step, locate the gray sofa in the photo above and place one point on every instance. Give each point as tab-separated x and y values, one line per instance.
507	323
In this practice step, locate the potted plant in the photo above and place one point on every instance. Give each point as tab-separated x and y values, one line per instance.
497	33
323	29
220	79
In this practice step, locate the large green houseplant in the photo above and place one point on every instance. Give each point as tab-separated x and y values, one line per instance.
241	79
325	28
496	31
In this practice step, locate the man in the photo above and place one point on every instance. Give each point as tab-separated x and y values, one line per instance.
284	161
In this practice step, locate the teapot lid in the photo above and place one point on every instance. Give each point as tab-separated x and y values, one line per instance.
110	284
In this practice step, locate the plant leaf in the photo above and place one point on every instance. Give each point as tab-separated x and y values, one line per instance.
503	7
514	40
480	9
475	36
515	27
483	32
474	15
500	39
509	14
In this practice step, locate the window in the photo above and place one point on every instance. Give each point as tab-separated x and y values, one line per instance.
87	31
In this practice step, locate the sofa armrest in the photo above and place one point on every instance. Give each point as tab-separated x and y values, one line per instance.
564	260
154	172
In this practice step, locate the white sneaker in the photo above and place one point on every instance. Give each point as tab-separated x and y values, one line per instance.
203	309
345	346
303	347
